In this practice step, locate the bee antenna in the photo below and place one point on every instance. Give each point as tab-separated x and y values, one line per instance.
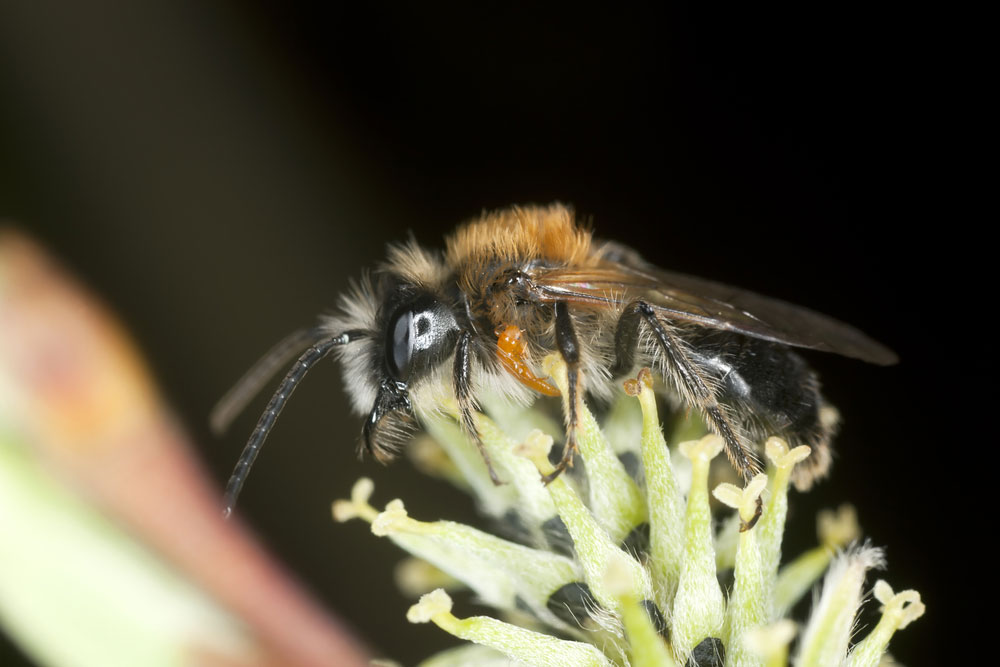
236	399
306	361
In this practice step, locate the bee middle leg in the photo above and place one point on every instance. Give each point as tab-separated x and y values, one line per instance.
689	380
569	349
462	380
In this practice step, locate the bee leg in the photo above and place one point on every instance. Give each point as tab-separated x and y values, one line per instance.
462	379
569	348
688	379
626	340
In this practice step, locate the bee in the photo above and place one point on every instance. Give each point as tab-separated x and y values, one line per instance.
524	282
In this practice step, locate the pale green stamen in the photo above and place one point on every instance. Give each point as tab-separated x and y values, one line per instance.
493	500
699	606
898	611
770	642
828	632
615	498
665	503
517	643
415	576
772	524
499	571
519	490
646	647
594	547
836	531
748	600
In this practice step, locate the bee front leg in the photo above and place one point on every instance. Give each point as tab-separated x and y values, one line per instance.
689	380
462	379
569	349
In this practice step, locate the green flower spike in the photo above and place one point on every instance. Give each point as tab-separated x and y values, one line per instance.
587	584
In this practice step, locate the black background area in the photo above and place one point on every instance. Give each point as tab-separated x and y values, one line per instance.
217	172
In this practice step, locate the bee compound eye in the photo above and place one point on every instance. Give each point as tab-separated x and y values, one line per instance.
399	345
419	335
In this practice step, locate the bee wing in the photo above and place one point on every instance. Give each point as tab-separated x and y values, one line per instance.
681	297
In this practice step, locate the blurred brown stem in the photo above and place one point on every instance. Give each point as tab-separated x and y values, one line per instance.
88	408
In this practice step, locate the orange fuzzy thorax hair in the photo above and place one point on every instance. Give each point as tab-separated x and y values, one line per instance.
547	233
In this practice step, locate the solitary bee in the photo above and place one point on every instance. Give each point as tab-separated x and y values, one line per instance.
521	283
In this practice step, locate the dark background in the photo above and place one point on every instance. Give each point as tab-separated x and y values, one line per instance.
218	172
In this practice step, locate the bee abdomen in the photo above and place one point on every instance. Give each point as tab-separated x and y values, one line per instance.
770	390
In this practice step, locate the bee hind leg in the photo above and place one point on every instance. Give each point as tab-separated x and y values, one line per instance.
569	349
688	378
462	379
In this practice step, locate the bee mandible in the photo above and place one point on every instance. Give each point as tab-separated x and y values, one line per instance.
520	283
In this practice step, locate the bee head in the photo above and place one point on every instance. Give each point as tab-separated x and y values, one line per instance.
411	332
